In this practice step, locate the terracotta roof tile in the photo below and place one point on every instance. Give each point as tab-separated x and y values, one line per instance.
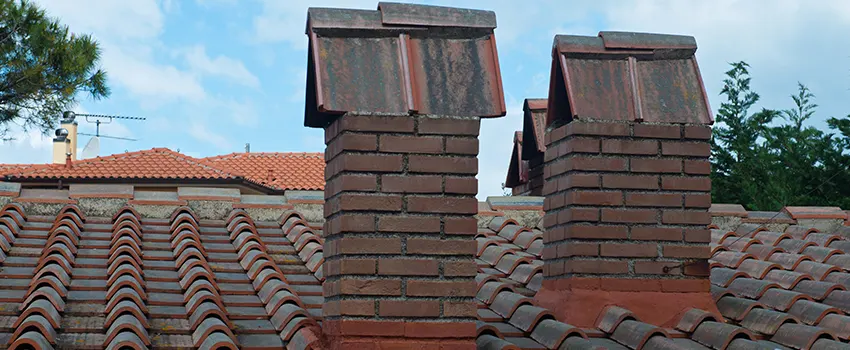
296	171
278	171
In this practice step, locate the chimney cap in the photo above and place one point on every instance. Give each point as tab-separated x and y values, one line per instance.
645	77
61	133
419	59
68	116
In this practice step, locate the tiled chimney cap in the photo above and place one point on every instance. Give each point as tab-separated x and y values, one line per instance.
395	17
628	77
418	59
534	127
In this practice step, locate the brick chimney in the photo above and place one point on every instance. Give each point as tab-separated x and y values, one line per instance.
400	92
533	131
626	178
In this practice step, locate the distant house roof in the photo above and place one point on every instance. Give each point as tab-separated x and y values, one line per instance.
274	171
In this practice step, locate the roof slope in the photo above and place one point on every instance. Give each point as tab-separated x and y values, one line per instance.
294	171
278	171
74	281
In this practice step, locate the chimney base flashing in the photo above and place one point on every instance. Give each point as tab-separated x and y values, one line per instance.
361	334
581	301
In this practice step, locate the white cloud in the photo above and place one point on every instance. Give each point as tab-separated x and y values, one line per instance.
284	21
200	131
495	145
219	66
149	82
241	112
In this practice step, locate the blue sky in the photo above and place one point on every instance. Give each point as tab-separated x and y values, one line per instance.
212	75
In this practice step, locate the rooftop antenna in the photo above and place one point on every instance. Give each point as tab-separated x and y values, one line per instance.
92	148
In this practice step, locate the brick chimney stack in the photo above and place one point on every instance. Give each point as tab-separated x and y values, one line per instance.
400	92
626	178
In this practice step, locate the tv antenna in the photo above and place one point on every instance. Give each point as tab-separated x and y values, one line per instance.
92	148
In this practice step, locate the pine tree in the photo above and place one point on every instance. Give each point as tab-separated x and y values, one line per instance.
43	68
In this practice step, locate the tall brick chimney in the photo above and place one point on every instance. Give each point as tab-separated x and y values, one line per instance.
400	92
533	131
626	178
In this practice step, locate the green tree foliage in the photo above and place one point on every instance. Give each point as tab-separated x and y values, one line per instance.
771	158
43	67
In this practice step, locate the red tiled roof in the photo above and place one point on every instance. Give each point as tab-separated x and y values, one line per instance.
279	171
775	290
295	171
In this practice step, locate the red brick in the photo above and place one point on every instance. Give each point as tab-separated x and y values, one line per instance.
461	268
460	226
657	131
698	235
363	327
441	288
350	223
554	201
593	198
686	251
554	234
577	215
686	183
630	181
460	309
349	307
658	267
578	180
353	286
408	267
349	245
351	267
596	128
656	165
553	268
461	185
554	168
654	199
693	149
369	202
578	145
409	308
644	216
643	147
698	200
636	250
449	205
630	284
596	232
697	167
411	144
441	246
697	132
576	249
348	182
686	285
411	184
449	126
699	268
466	145
655	233
595	164
676	217
597	266
377	123
442	164
370	162
439	330
427	224
357	142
